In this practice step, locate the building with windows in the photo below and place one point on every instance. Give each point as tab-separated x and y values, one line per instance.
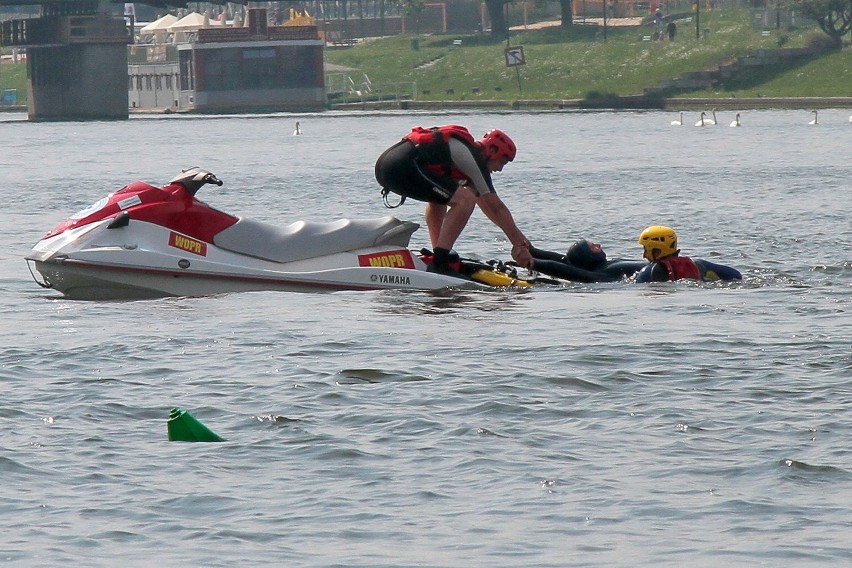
219	69
153	81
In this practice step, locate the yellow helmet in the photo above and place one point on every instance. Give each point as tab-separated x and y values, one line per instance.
659	241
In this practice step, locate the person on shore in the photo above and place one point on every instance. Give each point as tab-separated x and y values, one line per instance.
585	261
451	171
666	263
671	30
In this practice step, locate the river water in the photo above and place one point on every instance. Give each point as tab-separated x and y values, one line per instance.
675	424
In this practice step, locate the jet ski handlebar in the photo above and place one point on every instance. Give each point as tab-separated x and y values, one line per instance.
194	179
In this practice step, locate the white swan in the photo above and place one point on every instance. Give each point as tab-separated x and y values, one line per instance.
850	118
701	121
298	131
712	121
679	122
736	121
816	118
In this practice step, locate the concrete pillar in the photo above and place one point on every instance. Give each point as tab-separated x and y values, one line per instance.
83	81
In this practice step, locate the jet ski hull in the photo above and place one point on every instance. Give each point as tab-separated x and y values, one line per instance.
148	242
80	281
96	262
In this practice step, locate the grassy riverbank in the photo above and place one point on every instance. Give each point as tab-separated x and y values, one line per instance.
14	76
578	63
573	64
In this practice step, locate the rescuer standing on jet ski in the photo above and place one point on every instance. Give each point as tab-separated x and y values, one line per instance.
451	171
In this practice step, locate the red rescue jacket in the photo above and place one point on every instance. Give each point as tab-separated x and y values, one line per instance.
679	267
433	151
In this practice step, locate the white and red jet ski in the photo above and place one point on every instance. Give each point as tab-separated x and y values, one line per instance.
146	242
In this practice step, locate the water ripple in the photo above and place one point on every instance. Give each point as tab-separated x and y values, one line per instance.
616	421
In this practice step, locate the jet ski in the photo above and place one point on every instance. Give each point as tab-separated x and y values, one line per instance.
144	241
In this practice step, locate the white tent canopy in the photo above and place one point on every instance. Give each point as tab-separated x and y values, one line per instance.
160	24
190	22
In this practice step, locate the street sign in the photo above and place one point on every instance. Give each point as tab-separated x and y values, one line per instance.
514	56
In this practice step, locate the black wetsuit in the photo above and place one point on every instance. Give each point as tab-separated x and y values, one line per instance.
580	265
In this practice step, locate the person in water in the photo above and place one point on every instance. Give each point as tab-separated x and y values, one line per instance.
585	261
666	263
451	171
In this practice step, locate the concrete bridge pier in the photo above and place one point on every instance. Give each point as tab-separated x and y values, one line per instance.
76	63
78	81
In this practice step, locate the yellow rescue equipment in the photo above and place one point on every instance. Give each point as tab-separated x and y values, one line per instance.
494	278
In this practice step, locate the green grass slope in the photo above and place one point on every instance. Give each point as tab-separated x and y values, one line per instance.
14	76
573	63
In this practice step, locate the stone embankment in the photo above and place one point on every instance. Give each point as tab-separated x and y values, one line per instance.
711	78
620	103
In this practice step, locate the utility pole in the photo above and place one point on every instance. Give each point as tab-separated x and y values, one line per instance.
697	9
506	17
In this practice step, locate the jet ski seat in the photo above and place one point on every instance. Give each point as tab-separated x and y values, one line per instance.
309	239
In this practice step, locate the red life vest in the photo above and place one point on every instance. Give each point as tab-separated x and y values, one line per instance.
679	267
434	151
420	135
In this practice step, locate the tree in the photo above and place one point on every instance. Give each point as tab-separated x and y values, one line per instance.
567	8
834	17
413	9
497	15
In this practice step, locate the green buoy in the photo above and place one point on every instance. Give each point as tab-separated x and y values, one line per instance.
183	427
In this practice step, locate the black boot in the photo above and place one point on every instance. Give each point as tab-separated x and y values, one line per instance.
441	263
440	260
